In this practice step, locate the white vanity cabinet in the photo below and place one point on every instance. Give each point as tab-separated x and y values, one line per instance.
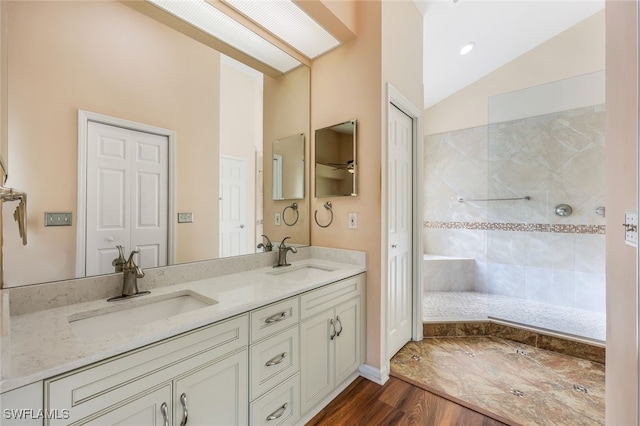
274	363
146	387
330	338
269	366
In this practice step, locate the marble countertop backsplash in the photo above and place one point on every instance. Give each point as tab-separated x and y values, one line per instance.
37	341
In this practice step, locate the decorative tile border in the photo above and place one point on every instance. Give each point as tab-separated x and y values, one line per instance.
518	227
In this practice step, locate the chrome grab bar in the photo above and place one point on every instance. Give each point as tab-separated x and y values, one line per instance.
526	198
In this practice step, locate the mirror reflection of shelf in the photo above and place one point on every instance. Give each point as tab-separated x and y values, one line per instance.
331	172
335	154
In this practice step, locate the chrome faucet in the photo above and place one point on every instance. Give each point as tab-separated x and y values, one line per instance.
131	273
119	262
282	253
268	246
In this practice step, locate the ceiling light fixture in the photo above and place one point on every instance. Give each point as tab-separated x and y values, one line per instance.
289	23
212	21
467	48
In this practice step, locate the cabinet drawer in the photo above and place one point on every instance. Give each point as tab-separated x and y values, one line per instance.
143	410
273	360
101	385
327	297
280	406
274	318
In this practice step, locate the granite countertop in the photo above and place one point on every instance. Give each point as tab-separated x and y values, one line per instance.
42	344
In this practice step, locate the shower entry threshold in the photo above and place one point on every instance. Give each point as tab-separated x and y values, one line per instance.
469	306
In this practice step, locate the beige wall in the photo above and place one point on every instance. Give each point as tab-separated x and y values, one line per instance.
346	84
349	83
107	58
286	113
622	194
545	63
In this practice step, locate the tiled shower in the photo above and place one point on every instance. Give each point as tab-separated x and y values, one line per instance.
514	257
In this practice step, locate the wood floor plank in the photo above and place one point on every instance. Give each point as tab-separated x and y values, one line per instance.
396	403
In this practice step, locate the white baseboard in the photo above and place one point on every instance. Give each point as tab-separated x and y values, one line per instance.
376	375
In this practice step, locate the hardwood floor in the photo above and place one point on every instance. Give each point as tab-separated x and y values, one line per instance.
395	403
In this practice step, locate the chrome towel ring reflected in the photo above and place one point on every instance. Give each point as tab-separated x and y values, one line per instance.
294	207
327	206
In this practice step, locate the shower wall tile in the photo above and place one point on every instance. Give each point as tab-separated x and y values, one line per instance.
507	280
590	253
522	248
507	247
551	286
451	274
456	243
550	250
590	293
482	279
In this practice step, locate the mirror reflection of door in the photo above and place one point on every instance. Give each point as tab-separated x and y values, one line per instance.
233	206
126	198
277	177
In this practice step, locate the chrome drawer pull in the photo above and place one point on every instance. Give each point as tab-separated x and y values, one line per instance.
333	334
339	322
185	413
164	410
278	413
276	359
275	318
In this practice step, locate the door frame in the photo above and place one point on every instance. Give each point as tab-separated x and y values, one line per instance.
398	100
84	118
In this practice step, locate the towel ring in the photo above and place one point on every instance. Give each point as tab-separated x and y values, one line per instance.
294	207
327	206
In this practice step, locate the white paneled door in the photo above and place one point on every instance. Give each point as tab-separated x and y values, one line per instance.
399	267
127	197
234	232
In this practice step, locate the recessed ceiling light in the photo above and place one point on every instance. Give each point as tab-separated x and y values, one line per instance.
467	48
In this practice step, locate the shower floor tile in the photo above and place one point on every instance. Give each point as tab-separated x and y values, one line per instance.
473	306
492	376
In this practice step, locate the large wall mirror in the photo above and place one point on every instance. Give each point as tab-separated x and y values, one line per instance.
110	60
335	157
288	168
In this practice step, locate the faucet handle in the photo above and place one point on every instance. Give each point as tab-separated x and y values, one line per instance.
282	244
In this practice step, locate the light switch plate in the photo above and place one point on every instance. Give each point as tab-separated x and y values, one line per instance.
631	228
186	217
57	219
353	220
277	219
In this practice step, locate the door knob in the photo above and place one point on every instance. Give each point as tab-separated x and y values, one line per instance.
110	239
241	226
394	246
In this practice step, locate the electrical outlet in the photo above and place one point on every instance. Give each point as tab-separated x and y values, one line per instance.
57	219
186	217
277	220
631	228
353	220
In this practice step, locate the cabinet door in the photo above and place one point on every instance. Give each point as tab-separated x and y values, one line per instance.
316	359
347	341
214	395
145	410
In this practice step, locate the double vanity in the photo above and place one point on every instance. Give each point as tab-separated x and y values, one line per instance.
251	345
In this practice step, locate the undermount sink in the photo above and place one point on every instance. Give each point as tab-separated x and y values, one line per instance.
302	272
130	313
